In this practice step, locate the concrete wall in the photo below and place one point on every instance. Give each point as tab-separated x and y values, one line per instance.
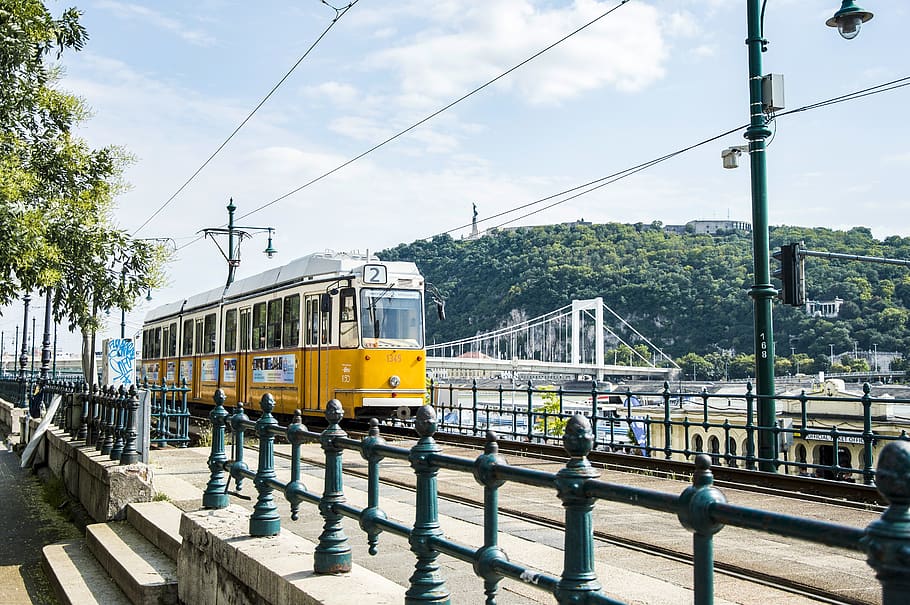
230	567
11	419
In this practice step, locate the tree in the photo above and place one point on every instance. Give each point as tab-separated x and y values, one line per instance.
56	193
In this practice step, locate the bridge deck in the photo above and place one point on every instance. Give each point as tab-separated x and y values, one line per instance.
629	575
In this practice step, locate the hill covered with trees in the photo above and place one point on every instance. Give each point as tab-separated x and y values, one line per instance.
687	293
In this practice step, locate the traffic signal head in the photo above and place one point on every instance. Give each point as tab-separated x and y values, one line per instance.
791	275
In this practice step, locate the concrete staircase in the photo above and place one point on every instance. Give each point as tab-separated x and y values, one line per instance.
120	562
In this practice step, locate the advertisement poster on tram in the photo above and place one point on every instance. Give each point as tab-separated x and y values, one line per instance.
171	374
209	370
186	370
274	368
151	372
229	371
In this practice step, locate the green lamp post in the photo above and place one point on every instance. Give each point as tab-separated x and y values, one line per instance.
848	21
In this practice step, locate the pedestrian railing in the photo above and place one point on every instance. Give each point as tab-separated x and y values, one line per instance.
170	416
701	508
674	424
106	418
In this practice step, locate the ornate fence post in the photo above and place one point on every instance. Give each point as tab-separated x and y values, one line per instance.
239	430
427	584
215	495
333	553
295	490
110	419
184	416
578	578
490	553
265	520
85	401
887	540
130	454
695	515
119	422
372	513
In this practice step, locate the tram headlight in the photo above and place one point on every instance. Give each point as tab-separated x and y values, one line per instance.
394	381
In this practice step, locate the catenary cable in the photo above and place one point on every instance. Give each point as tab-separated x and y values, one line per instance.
339	13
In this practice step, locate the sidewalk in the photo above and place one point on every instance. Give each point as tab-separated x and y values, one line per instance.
27	524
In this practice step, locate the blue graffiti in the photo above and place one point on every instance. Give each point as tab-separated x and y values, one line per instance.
121	359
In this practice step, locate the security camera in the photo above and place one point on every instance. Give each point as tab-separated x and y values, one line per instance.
730	155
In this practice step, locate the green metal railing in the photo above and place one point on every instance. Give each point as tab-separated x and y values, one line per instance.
701	508
107	418
643	423
170	415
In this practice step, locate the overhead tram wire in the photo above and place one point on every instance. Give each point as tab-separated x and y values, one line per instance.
616	176
437	112
339	13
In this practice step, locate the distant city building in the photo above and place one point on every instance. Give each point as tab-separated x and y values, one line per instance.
824	308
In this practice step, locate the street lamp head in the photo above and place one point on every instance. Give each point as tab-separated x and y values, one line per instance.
270	250
849	19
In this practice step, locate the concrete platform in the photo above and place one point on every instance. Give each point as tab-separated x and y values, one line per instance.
78	578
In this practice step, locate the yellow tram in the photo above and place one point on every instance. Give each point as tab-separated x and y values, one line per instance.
325	326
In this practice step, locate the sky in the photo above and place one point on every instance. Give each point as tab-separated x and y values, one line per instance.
169	81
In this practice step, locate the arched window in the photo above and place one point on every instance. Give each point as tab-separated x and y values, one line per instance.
698	444
731	451
714	449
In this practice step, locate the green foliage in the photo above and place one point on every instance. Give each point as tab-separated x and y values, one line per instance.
553	426
687	293
56	193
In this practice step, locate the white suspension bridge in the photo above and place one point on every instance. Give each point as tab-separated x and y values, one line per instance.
568	343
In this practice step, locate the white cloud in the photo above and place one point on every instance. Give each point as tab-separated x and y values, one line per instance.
624	50
138	12
334	92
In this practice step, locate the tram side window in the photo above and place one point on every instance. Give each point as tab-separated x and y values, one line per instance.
312	320
326	308
165	338
259	326
291	321
172	341
230	331
211	332
348	318
145	344
273	326
200	336
188	337
156	343
245	326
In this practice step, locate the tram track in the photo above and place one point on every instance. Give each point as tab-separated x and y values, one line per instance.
737	572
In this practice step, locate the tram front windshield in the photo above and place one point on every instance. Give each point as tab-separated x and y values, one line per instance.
391	319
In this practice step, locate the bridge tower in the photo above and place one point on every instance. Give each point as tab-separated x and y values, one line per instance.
596	305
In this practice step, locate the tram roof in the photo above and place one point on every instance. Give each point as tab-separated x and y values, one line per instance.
306	268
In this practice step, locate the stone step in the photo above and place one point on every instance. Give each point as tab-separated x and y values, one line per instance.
144	573
77	577
159	523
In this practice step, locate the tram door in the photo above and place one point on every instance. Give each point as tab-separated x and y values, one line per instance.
317	331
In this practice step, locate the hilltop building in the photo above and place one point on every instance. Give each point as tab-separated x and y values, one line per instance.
709	227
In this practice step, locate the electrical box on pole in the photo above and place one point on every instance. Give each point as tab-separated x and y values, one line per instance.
791	274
